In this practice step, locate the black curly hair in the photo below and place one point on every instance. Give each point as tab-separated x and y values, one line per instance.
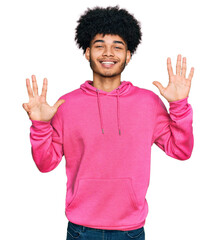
110	20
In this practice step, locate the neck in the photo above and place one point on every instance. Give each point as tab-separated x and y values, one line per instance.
106	84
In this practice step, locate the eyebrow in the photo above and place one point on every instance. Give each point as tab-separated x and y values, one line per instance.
103	42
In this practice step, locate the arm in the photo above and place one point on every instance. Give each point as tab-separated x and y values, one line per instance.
173	132
46	143
46	129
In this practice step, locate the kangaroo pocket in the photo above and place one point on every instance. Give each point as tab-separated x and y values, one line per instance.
104	202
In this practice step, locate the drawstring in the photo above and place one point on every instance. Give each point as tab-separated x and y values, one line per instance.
99	108
118	110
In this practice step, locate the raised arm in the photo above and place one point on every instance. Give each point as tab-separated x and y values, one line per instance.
46	129
173	131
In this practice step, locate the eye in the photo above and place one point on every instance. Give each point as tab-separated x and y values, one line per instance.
118	48
98	46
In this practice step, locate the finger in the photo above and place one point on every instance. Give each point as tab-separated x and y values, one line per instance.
44	89
191	74
159	86
29	89
178	65
169	67
25	106
184	67
35	87
58	103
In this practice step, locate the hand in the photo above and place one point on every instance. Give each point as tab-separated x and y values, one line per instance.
37	107
179	86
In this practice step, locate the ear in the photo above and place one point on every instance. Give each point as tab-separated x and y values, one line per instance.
87	53
128	57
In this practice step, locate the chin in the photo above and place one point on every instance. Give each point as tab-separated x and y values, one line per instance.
107	74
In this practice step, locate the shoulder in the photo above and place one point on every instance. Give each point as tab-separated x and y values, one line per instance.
70	100
146	94
70	95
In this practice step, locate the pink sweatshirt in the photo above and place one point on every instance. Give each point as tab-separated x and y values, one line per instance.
106	138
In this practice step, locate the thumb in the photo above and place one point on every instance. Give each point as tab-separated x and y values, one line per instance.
58	103
159	86
25	106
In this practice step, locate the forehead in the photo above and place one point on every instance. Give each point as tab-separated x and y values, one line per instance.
108	38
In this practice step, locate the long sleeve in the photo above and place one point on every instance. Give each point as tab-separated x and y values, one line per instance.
46	142
173	132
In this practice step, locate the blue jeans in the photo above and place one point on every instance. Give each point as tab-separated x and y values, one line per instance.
79	232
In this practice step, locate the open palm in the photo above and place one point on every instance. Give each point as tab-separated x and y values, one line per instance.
179	86
37	107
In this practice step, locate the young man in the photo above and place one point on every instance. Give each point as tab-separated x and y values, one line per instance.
105	130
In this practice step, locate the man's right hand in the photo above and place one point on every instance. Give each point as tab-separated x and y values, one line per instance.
37	107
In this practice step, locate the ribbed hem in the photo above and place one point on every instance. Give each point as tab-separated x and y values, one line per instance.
180	105
40	124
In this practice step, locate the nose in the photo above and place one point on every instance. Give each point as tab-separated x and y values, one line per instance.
108	51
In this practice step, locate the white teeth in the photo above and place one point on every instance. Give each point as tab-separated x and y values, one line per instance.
107	62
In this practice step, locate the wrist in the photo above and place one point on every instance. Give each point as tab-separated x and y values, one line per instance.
179	100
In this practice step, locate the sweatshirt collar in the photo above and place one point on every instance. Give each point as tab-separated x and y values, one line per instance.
122	89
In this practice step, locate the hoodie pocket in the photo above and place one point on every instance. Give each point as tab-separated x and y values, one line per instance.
104	202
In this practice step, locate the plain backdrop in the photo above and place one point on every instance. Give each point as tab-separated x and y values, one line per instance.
37	37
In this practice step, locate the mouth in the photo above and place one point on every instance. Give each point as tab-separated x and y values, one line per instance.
108	64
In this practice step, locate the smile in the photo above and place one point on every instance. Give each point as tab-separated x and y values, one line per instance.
108	64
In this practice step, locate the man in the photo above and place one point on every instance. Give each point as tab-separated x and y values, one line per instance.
105	130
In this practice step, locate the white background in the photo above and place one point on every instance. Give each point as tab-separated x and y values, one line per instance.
37	37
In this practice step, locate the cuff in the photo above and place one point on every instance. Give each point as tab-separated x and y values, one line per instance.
42	125
180	109
179	105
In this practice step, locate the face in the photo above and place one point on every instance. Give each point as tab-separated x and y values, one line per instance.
108	55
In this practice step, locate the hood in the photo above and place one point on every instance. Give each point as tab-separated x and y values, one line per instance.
121	90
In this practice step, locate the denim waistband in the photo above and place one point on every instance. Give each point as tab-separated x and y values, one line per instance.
82	228
78	227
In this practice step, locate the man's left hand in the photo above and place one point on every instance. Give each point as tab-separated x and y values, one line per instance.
179	86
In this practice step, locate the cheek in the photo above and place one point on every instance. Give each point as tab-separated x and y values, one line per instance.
122	56
92	61
94	56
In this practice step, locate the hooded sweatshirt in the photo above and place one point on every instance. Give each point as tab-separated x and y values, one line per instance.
106	139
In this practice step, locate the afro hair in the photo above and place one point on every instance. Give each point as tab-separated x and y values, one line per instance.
110	20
